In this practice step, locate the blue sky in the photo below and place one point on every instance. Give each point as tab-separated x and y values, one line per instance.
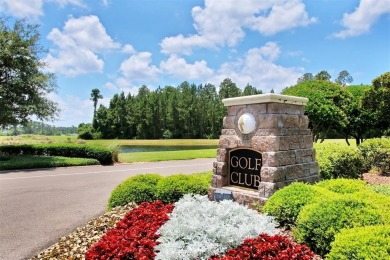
120	45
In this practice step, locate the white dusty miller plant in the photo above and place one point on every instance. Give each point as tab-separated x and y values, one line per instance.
199	228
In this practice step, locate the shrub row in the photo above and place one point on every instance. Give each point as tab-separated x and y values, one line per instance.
103	155
318	213
337	160
150	187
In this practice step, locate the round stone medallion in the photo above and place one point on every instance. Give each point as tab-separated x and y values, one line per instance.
246	123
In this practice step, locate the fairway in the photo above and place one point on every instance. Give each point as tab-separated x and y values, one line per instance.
129	151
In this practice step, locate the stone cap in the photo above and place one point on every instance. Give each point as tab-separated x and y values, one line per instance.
265	98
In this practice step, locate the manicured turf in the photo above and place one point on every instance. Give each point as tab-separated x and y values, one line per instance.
167	155
29	162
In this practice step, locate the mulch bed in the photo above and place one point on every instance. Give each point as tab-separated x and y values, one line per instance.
373	178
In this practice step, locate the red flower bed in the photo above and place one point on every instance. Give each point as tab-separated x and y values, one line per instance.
267	247
134	236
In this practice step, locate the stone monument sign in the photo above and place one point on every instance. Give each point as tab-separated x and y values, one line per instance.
265	145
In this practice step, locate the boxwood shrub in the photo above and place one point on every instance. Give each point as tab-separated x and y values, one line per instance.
337	160
343	186
135	189
150	187
318	223
371	242
376	154
102	154
378	201
172	188
285	204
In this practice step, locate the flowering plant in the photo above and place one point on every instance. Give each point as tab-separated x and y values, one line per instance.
134	236
275	247
197	229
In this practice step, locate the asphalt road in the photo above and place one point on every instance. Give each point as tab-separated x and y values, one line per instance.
39	206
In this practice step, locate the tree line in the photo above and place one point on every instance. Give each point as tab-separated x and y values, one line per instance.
40	128
335	109
185	111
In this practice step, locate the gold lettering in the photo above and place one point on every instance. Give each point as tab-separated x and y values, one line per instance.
246	163
248	184
249	164
257	180
236	161
258	163
241	183
231	177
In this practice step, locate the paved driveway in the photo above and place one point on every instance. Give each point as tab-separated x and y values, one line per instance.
39	206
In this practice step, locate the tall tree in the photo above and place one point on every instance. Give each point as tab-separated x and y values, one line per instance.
322	75
228	89
24	83
377	101
250	90
305	77
95	96
344	78
359	119
325	109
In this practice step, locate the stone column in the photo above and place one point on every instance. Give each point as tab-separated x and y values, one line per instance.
280	134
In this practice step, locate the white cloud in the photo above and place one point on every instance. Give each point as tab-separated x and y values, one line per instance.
179	68
22	8
222	23
128	48
364	16
138	68
74	110
32	8
63	3
76	53
259	69
283	16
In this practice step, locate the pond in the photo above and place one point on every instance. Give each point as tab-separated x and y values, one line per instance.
152	148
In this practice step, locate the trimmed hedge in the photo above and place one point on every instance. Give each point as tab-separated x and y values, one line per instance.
337	160
150	187
343	186
140	188
376	154
173	188
103	155
318	223
371	242
285	204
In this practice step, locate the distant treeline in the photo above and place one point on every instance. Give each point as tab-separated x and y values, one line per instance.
40	128
186	111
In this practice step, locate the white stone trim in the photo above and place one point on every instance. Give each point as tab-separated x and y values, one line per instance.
265	98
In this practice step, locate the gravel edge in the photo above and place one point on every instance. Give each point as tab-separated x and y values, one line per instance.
77	243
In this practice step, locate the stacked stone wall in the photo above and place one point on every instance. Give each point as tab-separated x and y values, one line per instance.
283	138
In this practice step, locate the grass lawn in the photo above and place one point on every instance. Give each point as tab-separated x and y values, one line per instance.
202	148
29	162
167	155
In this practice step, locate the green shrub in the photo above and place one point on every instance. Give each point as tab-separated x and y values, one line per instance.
103	155
337	160
371	242
285	204
376	154
150	187
381	189
318	223
135	189
343	186
172	188
379	202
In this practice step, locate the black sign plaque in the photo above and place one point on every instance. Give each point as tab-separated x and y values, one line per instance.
245	167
